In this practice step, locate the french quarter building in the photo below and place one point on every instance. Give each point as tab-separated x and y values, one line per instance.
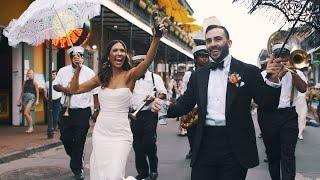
127	20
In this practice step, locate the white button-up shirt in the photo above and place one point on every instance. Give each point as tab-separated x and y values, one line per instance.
217	88
144	87
286	88
63	78
55	94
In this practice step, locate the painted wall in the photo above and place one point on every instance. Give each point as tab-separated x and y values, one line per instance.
12	9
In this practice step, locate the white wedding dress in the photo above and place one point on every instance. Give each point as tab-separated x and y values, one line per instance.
112	137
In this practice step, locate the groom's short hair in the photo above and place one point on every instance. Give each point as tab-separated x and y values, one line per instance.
213	26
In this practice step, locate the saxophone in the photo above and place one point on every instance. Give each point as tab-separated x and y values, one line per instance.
190	119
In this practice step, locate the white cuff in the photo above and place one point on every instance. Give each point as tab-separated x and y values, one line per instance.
273	84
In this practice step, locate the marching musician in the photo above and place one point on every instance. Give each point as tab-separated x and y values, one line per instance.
145	126
74	128
280	128
201	58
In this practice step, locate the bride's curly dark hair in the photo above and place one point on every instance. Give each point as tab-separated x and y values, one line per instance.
105	69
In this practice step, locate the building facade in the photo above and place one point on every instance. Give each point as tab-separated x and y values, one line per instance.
127	20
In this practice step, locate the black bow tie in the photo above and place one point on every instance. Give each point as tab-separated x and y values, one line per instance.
215	66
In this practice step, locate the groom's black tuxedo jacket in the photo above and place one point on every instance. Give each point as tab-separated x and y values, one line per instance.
238	116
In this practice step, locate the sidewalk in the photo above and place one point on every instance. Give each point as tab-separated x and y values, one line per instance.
16	144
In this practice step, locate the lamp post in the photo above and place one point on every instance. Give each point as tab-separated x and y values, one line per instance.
50	120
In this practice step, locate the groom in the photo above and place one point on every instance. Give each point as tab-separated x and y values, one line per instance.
225	145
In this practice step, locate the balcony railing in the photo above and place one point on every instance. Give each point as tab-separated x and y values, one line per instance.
136	11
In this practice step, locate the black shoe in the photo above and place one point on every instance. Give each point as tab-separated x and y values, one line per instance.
79	176
189	155
141	177
153	175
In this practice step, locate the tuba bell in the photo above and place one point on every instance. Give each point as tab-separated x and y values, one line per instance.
298	57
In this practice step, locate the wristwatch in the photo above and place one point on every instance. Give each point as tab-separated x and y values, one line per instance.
96	109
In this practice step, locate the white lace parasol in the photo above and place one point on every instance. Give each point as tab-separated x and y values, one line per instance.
49	19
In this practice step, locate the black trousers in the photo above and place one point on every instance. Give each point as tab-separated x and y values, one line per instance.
191	132
73	130
144	131
279	132
216	160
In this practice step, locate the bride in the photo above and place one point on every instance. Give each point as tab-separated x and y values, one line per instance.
112	136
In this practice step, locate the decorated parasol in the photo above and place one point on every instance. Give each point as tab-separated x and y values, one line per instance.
50	19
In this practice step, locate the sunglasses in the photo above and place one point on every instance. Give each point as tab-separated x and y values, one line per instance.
79	54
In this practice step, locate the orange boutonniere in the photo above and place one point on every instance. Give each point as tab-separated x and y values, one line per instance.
234	79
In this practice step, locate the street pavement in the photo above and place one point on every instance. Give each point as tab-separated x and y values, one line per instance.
54	163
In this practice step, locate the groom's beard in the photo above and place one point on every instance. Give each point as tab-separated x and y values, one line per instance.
224	52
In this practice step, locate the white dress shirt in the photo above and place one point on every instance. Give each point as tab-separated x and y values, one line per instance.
217	94
286	88
144	87
55	94
217	90
63	78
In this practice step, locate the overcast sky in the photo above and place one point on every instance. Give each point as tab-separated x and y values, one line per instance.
249	33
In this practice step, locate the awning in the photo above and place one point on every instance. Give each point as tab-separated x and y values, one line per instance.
129	17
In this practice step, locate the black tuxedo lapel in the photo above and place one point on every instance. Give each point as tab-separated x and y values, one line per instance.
232	90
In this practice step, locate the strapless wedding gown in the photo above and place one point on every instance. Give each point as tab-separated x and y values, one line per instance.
112	137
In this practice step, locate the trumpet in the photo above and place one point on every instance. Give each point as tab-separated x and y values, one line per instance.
146	102
66	104
298	58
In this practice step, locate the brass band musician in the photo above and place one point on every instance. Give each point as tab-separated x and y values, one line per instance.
189	121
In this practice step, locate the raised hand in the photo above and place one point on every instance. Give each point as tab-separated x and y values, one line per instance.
274	68
159	29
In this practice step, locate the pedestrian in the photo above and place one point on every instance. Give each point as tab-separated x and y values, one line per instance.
29	97
56	101
144	128
225	145
76	111
201	58
112	137
280	127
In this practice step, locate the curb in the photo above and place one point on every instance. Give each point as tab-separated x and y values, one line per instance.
22	154
32	150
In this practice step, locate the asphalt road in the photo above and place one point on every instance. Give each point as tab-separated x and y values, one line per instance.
54	163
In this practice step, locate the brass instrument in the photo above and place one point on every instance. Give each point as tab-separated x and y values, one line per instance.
145	102
312	93
66	104
190	119
298	58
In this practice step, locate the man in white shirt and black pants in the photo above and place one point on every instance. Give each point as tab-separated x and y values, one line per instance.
145	126
74	128
280	128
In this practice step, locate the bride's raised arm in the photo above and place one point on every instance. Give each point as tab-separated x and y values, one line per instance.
76	88
136	72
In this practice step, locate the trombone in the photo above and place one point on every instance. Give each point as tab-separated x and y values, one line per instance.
298	58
